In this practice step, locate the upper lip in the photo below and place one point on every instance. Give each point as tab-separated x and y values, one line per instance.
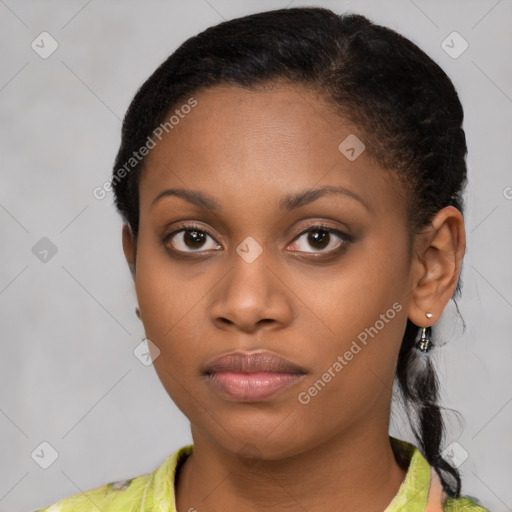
245	362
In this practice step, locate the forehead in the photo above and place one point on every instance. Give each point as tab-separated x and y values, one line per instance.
260	143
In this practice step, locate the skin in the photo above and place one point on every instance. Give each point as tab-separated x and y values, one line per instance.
247	149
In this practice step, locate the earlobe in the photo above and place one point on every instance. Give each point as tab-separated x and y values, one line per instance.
438	260
129	247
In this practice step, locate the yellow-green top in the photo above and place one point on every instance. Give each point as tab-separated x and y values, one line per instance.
155	492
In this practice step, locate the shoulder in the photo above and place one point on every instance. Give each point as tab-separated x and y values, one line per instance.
119	496
141	493
422	485
463	504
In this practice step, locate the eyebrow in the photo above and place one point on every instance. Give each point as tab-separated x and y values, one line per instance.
286	203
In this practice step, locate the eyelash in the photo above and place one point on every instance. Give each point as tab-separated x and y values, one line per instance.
316	227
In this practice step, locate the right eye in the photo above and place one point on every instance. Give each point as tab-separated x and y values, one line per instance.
189	238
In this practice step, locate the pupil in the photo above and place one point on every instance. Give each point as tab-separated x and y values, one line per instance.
322	239
196	237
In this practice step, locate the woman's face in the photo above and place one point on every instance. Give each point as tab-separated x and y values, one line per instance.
256	273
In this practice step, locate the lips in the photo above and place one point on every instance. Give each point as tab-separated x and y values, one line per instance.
243	362
251	377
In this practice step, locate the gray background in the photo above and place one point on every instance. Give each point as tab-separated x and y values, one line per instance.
68	373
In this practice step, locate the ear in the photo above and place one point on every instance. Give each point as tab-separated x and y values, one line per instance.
129	247
436	265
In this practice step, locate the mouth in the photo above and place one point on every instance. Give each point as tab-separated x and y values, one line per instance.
251	377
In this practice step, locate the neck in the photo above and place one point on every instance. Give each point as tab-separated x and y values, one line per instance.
356	472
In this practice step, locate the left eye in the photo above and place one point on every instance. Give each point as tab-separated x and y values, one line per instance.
320	237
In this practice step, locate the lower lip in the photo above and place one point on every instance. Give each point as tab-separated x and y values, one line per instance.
251	387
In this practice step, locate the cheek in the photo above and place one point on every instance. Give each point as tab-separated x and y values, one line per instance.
354	375
352	296
171	296
363	306
162	300
166	312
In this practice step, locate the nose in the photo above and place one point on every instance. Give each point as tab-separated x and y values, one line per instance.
251	296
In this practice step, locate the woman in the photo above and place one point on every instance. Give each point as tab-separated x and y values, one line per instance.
291	184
